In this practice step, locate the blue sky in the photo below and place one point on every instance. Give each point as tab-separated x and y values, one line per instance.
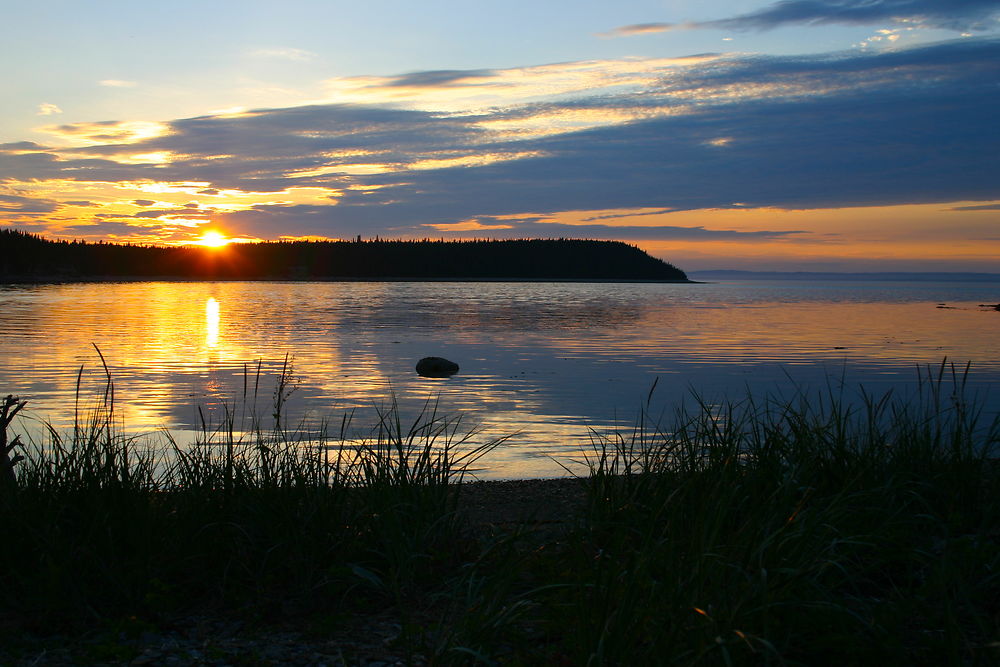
802	134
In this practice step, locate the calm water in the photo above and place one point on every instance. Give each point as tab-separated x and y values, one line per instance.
549	361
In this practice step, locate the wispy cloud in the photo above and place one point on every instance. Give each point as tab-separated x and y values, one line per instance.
640	29
959	15
979	207
117	83
110	132
633	214
102	229
18	204
475	90
47	109
533	228
21	147
435	78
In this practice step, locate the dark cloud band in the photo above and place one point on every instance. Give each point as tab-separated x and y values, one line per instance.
857	129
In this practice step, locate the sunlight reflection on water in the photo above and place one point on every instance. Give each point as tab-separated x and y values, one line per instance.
546	360
212	319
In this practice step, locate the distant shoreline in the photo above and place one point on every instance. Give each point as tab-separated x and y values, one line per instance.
55	280
27	257
884	276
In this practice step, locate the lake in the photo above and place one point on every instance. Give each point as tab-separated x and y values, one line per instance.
546	362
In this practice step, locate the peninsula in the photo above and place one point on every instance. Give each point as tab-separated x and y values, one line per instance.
30	258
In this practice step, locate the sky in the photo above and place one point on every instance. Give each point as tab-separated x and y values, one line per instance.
827	135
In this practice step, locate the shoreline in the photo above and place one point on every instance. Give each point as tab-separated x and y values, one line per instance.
55	280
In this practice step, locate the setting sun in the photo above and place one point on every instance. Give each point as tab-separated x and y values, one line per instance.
213	239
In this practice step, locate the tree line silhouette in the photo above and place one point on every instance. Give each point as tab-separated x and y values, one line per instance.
25	256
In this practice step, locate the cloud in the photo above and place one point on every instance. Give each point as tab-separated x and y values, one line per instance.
614	216
143	202
79	202
114	229
47	109
980	207
18	204
639	29
285	53
106	132
965	16
790	132
473	90
533	229
21	146
117	83
959	15
154	214
434	78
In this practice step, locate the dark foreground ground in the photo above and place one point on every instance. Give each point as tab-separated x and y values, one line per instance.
543	510
791	533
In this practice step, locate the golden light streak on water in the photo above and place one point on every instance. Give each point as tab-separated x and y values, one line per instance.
212	319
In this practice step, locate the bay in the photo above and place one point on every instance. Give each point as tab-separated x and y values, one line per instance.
547	363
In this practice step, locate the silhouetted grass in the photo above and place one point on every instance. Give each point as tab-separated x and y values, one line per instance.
103	524
764	531
805	531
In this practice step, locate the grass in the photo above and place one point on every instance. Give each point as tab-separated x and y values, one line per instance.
762	531
798	532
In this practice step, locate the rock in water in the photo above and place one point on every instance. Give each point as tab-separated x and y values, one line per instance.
436	367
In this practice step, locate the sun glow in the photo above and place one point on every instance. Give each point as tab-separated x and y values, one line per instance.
213	239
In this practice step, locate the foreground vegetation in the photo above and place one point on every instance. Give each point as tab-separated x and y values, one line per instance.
805	531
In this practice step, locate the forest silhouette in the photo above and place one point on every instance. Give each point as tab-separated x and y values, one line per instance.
29	257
